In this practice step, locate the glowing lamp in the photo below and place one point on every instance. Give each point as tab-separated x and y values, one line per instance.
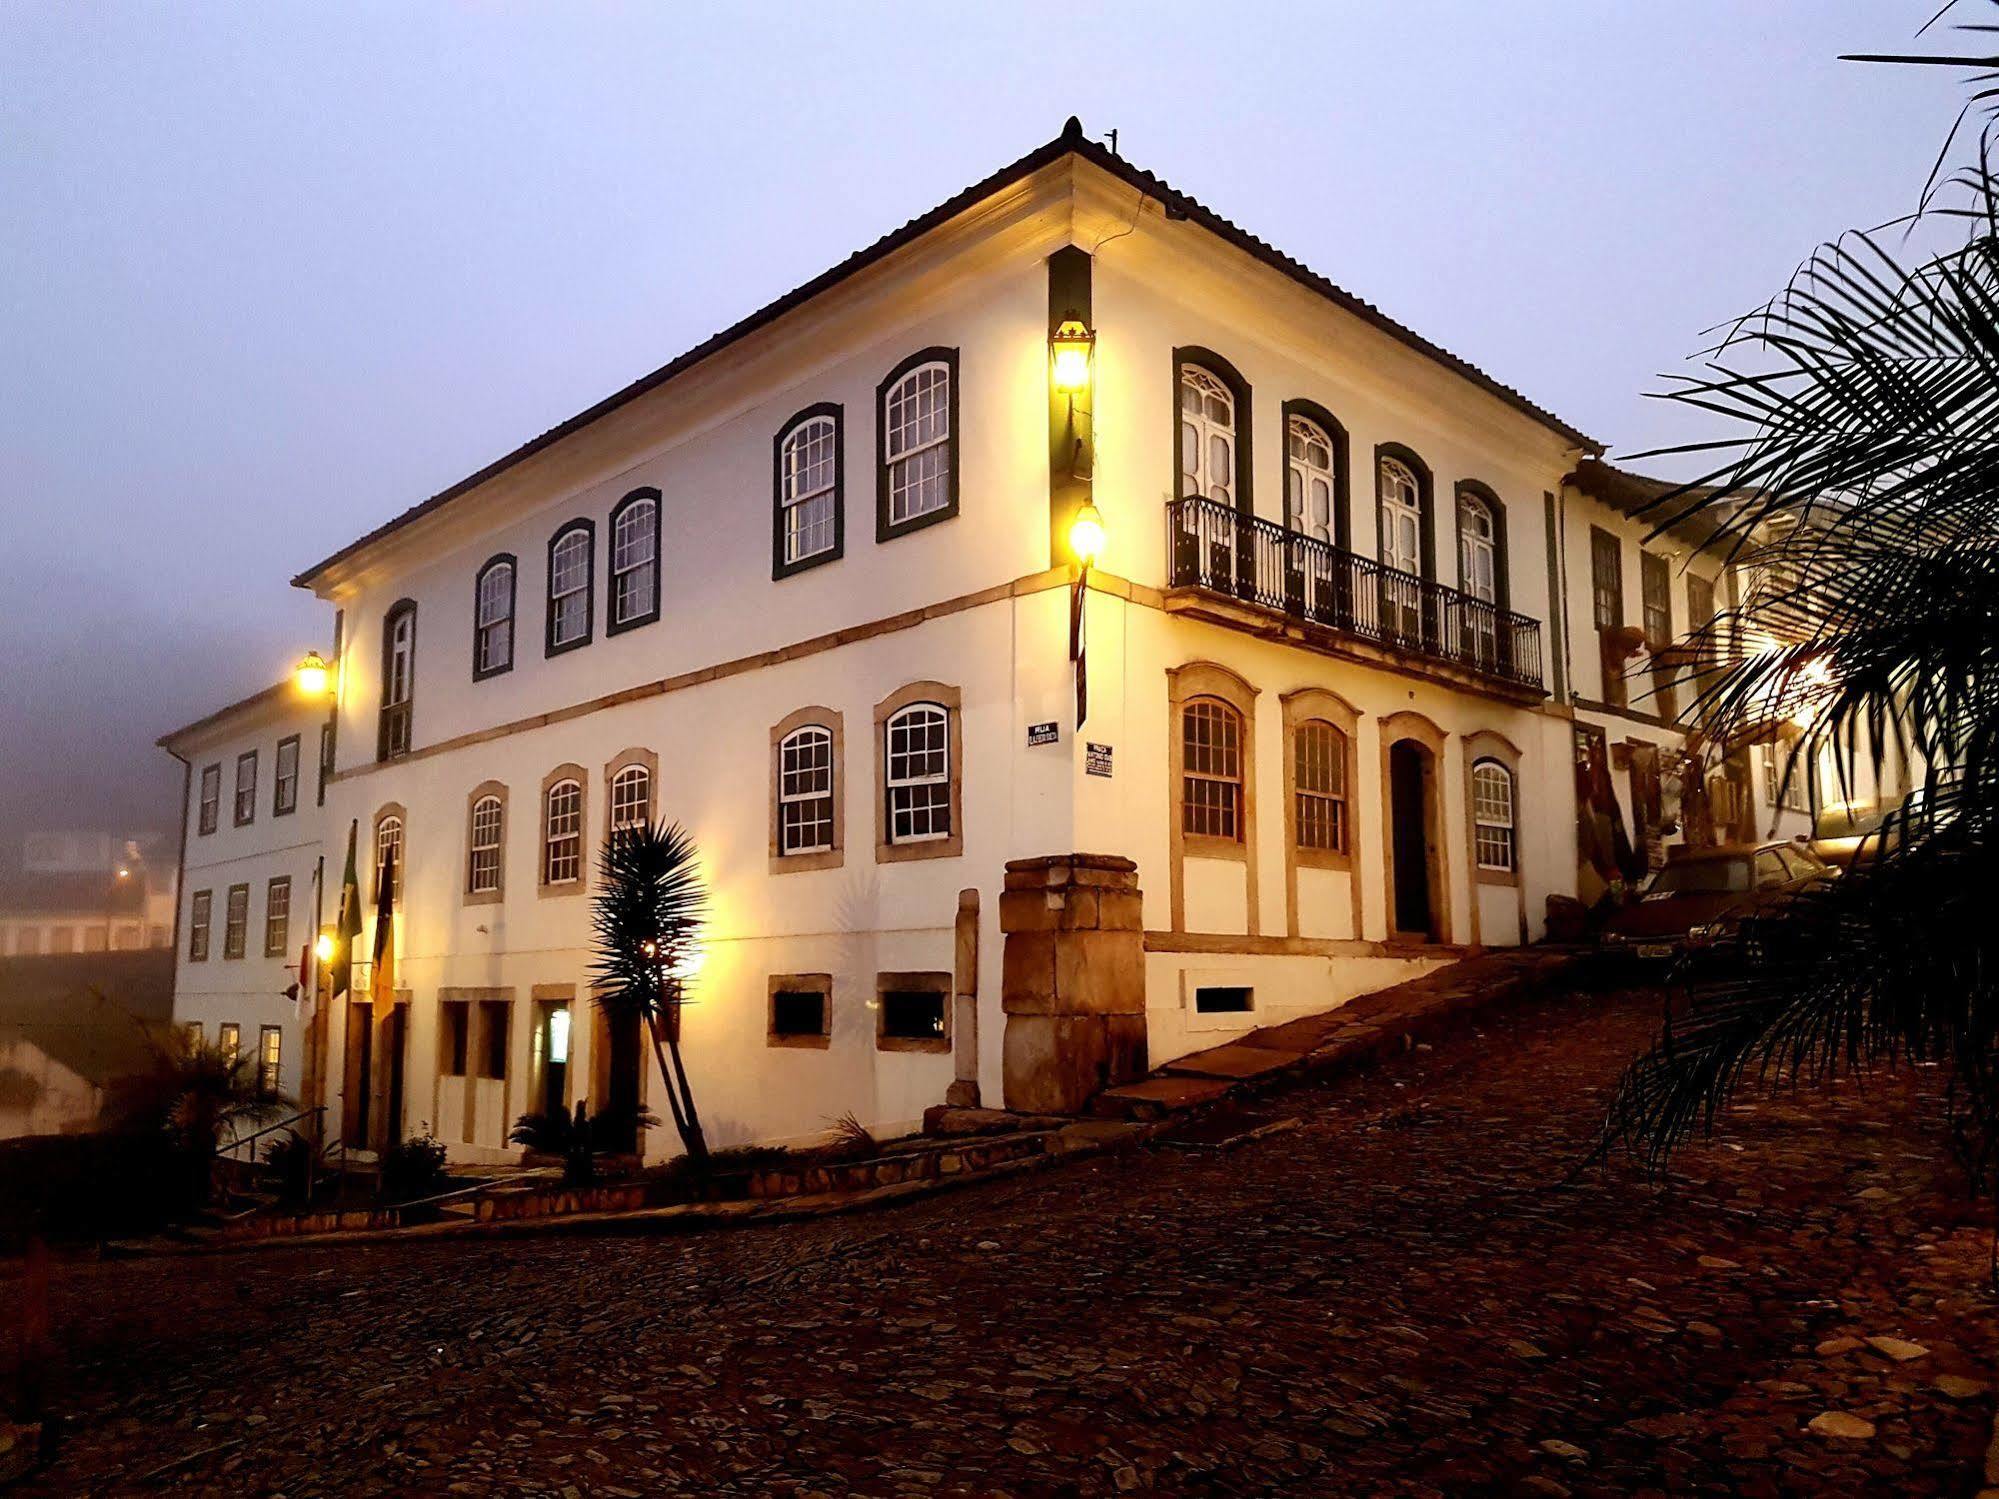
1071	345
1086	534
323	948
311	675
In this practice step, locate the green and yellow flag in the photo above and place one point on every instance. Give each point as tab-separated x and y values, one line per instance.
349	930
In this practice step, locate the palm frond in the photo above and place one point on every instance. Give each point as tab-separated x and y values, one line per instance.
647	917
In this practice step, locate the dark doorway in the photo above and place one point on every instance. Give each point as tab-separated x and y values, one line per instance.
555	1058
396	1041
620	1060
1408	820
358	1080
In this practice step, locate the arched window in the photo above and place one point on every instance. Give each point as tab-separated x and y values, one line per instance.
392	736
1207	436
1492	815
805	791
631	798
569	586
808	490
1401	517
482	872
919	409
493	619
1319	775
918	774
389	859
1478	547
1308	478
1211	770
634	561
562	833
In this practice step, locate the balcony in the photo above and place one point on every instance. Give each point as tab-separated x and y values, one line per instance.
1276	580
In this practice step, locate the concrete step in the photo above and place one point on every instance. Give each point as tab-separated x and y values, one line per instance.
1234	1061
1154	1097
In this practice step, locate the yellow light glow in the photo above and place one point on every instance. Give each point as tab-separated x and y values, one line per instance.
124	874
1086	534
312	675
323	948
558	1035
1071	346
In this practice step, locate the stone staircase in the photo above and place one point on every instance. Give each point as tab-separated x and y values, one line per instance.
1348	1038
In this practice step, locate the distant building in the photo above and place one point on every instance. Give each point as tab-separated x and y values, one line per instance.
87	891
72	1025
251	870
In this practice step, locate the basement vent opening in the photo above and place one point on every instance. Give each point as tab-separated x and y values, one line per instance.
797	1012
1229	999
913	1014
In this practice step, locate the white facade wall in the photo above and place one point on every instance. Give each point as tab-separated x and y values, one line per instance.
249	992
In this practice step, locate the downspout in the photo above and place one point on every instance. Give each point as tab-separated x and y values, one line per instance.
180	863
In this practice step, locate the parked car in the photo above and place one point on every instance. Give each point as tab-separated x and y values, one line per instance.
1705	895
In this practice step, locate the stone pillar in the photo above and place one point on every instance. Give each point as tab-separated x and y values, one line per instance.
1073	980
964	1090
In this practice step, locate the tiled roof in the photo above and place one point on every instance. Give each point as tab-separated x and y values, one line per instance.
256	699
1070	140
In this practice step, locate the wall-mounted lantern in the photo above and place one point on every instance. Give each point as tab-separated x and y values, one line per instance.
311	675
1071	345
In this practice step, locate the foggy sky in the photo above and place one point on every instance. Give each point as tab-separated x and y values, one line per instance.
268	276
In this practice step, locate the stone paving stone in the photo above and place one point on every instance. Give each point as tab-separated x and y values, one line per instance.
1234	1061
1408	1293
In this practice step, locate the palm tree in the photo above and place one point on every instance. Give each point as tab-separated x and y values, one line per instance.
1861	491
648	916
194	1094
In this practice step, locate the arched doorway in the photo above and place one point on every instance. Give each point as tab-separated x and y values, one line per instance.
1411	777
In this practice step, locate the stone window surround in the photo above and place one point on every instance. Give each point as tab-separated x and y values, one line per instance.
1489	744
835	724
476	795
920	980
1308	704
543	889
1184	683
1407	723
807	983
951	700
625	759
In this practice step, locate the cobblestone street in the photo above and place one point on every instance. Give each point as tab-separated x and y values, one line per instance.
1397	1297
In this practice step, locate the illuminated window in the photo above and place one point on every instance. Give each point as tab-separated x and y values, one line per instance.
562	834
919	774
805	791
808	479
482	874
1207	436
229	1040
917	444
270	1059
1319	770
1211	770
635	561
1492	815
493	626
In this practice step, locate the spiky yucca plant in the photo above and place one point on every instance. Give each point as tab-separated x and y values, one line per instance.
648	915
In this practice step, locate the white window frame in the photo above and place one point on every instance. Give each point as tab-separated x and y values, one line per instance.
1478	543
572	541
208	815
624	564
807	511
562	833
912	795
1400	499
277	915
905	442
235	923
485	862
1304	477
244	810
1495	816
1200	430
389	834
794	791
622	804
494	626
284	778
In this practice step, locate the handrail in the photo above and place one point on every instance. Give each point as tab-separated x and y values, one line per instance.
284	1123
1215	547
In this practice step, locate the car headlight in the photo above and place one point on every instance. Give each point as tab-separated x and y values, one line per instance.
1703	936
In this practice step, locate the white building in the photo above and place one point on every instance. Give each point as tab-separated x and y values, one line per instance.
83	891
807	590
252	874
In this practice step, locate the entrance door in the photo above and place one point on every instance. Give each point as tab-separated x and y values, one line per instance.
554	1050
397	1042
358	1080
1408	772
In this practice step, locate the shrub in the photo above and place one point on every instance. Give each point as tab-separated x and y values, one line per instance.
413	1168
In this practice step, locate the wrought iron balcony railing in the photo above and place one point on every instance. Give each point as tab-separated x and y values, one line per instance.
1215	547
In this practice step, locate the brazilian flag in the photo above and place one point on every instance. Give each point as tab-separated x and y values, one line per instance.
350	919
